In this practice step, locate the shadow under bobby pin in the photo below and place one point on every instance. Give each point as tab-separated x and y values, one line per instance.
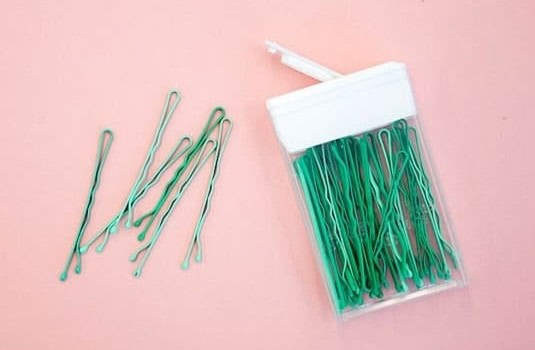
373	213
104	144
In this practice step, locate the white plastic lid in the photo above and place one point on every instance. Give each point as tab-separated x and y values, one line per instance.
342	106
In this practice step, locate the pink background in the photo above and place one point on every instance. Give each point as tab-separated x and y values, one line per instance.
70	68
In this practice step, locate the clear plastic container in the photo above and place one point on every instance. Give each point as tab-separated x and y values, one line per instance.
366	186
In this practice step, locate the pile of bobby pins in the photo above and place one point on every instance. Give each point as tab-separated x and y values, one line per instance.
187	158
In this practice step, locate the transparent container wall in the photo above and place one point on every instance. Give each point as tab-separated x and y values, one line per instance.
376	219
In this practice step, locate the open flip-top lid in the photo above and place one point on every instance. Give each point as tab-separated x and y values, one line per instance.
341	105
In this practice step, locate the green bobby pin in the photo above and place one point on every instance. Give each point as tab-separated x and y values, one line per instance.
171	103
104	144
222	140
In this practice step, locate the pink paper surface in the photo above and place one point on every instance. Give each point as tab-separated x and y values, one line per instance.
70	68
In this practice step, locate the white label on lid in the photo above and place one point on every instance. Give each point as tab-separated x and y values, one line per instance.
345	106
